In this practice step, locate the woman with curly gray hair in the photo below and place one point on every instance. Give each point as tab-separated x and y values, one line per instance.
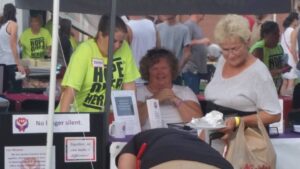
177	103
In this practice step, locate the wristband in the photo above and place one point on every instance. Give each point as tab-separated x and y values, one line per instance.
178	102
237	121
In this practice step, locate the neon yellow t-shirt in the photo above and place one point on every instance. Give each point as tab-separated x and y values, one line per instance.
272	58
86	74
35	45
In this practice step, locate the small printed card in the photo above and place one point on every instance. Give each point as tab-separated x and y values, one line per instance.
154	113
80	149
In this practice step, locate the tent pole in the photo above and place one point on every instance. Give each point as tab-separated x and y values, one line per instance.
109	73
52	85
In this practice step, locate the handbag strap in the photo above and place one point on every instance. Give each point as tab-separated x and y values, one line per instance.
260	126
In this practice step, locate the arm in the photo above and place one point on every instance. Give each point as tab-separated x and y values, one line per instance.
186	56
129	35
202	41
12	30
67	98
127	161
294	35
250	121
129	86
259	53
187	109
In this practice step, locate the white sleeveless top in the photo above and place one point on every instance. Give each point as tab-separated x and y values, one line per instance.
286	45
6	55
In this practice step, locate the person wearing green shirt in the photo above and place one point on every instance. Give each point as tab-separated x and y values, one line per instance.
84	83
35	41
270	51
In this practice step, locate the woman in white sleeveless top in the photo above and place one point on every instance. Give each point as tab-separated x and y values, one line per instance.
9	55
290	46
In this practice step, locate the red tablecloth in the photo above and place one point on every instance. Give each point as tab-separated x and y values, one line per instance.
19	98
287	106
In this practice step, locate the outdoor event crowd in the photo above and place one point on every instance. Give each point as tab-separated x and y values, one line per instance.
245	68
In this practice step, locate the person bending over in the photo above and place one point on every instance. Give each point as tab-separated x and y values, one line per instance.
169	149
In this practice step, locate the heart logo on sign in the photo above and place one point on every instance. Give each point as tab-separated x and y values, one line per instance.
21	123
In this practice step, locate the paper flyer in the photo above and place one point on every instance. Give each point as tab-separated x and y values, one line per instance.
154	114
26	157
80	149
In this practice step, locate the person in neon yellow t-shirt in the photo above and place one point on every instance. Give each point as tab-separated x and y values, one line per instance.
85	79
270	51
35	41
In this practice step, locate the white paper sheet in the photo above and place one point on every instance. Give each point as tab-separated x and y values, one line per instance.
26	157
80	149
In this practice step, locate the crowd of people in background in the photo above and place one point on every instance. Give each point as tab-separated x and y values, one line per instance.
247	65
196	55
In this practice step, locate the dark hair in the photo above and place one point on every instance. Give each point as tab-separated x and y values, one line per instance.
38	17
267	28
9	13
289	19
104	25
65	27
153	56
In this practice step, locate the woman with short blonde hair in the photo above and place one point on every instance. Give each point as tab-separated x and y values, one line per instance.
242	85
232	26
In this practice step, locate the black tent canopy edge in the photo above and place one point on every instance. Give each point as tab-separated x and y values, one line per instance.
157	7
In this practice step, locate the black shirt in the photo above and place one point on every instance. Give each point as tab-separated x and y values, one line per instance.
169	144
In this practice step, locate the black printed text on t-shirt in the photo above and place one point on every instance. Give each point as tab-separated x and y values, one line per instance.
96	97
37	47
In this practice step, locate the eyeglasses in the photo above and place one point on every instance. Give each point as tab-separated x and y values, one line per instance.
234	50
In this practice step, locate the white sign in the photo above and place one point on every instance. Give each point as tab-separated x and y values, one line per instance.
27	157
80	149
62	123
125	109
154	113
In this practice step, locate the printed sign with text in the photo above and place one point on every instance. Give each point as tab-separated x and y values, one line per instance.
23	157
62	123
80	149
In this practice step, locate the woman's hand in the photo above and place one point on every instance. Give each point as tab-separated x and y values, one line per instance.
164	95
21	69
228	130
